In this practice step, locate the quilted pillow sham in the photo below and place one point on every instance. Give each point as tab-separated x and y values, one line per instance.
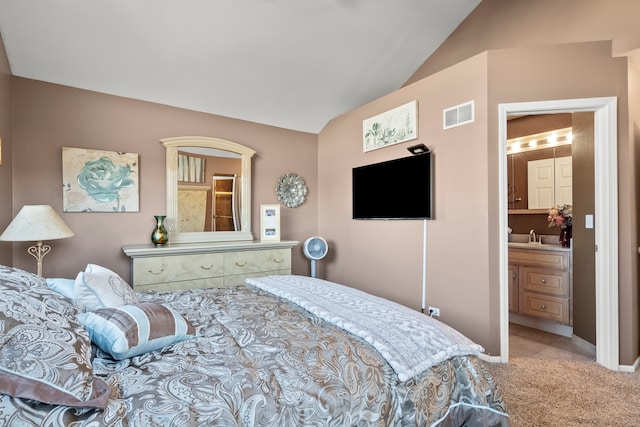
131	330
45	353
98	287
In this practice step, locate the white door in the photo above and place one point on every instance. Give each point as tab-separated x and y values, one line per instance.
606	210
540	183
564	181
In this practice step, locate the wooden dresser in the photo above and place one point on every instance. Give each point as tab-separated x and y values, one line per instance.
205	265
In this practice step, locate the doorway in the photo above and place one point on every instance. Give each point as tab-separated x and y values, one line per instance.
606	231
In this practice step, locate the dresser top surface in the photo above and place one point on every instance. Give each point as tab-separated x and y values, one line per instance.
149	250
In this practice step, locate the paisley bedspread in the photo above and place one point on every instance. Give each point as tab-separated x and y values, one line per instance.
397	332
261	361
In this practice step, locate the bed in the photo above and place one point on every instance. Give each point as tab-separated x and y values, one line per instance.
277	351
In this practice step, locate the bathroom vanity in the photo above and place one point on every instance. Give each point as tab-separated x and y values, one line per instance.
540	286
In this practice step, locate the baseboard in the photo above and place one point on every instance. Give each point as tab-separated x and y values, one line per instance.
630	368
584	344
490	359
543	325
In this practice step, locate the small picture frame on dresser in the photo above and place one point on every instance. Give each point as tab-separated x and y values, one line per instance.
270	223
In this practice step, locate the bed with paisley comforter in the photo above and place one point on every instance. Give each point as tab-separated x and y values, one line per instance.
277	351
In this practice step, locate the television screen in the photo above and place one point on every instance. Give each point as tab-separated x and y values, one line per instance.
395	189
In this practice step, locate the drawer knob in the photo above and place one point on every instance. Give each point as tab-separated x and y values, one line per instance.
544	280
278	260
241	263
154	272
206	267
543	306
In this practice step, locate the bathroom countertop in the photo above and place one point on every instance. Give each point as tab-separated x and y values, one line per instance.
538	247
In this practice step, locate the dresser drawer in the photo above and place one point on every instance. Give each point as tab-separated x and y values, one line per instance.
546	307
209	282
246	262
550	282
177	268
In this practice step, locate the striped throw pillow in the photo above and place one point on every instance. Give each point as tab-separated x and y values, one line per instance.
130	330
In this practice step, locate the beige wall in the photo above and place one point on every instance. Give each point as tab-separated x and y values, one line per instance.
499	24
462	256
385	257
6	257
47	117
523	74
502	24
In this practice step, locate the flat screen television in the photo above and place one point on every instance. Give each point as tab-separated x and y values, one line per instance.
395	189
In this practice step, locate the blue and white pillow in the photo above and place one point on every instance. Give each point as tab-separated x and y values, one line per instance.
131	330
98	287
65	287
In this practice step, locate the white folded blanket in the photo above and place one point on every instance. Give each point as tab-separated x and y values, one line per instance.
410	341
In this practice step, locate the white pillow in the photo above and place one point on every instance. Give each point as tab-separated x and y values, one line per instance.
98	287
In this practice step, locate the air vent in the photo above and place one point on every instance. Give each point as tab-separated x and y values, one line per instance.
458	115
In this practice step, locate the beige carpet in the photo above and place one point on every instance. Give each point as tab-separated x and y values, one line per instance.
541	392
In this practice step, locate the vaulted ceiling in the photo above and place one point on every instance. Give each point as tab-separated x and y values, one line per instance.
294	64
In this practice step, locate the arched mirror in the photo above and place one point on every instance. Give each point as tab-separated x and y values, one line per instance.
197	168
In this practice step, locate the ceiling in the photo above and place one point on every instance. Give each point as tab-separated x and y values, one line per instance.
294	64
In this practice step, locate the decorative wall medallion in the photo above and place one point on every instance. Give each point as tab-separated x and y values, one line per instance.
291	190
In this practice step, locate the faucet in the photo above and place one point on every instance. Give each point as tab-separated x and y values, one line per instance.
532	236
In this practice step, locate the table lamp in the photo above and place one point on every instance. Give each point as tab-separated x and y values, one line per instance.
36	223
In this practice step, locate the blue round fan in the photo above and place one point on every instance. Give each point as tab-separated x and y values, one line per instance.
315	248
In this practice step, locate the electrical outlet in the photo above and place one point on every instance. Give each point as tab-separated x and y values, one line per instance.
434	311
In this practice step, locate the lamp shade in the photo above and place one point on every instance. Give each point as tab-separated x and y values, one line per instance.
36	223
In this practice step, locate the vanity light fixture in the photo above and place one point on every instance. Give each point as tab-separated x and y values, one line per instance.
418	149
536	141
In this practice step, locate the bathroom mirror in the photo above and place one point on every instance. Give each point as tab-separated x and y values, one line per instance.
210	147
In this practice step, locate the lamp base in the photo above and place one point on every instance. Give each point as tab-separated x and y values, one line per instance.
39	251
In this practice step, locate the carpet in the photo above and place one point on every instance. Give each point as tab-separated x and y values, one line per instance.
543	392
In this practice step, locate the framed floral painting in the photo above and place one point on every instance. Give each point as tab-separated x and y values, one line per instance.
99	181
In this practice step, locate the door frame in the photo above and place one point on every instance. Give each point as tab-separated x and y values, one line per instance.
606	214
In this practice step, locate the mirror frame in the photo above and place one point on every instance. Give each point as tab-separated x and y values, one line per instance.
172	146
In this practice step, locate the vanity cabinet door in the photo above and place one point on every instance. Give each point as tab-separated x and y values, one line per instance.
513	288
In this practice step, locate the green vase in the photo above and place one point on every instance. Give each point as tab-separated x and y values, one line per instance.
160	235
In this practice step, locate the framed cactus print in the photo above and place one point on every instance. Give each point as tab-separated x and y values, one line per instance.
391	127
